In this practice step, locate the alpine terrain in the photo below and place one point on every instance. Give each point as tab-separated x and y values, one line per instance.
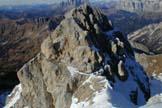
148	41
84	63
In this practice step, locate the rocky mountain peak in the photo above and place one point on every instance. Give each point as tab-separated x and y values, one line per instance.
83	63
90	18
69	4
82	32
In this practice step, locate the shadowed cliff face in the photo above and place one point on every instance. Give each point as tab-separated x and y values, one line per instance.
83	59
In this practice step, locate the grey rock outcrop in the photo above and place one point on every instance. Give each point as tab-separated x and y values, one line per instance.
72	3
141	5
76	65
148	44
150	36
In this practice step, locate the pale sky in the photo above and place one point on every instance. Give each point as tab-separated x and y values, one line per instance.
22	2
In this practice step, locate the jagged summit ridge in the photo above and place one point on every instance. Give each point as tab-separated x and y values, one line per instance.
89	18
80	27
83	63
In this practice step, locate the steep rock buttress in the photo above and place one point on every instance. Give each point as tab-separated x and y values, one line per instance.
84	63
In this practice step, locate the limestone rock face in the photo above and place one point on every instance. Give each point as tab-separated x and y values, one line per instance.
148	44
79	67
141	5
150	36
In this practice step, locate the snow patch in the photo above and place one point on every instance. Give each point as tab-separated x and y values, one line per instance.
14	96
91	87
88	80
75	104
74	71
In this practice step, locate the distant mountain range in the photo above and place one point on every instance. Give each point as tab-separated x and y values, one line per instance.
148	44
141	5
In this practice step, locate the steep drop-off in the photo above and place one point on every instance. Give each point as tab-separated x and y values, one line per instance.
20	41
